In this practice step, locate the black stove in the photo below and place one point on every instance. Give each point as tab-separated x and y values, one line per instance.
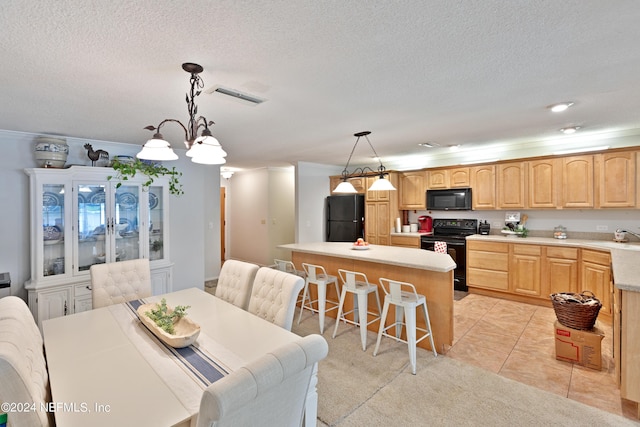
453	232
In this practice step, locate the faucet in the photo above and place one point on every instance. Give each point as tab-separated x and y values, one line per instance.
627	231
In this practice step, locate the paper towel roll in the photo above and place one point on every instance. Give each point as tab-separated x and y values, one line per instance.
398	226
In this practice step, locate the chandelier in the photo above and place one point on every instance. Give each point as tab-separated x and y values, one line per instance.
381	184
204	149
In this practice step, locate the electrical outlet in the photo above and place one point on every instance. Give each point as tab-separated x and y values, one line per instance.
601	228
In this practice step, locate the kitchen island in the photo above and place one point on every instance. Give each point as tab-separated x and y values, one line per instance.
431	273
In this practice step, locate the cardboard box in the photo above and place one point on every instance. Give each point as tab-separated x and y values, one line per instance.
581	347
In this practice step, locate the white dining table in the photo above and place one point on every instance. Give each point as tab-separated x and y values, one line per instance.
106	369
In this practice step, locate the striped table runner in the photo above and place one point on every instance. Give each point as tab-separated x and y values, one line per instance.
186	371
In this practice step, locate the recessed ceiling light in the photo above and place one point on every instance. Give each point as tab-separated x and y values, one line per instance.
569	130
429	144
558	108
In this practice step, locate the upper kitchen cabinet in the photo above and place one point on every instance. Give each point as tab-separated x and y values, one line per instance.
577	182
512	185
359	183
544	182
381	196
483	185
412	187
616	179
448	178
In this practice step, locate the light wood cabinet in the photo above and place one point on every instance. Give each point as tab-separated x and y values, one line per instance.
406	241
544	183
459	177
488	265
626	344
483	186
511	184
359	183
560	270
616	180
412	188
381	196
378	223
577	182
525	270
596	277
448	178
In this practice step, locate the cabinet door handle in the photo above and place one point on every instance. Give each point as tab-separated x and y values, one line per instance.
65	308
88	287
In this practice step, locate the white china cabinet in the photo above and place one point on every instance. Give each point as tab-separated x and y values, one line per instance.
80	217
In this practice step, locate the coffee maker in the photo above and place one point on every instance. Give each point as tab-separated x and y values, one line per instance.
426	224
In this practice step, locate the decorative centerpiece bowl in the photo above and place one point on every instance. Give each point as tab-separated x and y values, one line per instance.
51	152
185	331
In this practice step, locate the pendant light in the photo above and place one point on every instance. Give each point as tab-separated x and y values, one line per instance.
381	184
204	149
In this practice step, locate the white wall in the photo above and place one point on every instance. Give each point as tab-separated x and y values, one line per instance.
312	188
281	223
195	248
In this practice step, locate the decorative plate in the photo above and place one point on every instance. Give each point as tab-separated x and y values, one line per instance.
97	198
50	201
153	201
81	199
127	201
51	232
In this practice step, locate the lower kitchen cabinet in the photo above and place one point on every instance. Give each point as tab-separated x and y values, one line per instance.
525	270
626	344
406	241
531	272
488	265
596	277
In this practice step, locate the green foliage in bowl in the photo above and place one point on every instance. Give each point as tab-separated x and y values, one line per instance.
163	318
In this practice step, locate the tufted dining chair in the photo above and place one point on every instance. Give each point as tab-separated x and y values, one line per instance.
118	282
23	369
235	282
274	296
271	391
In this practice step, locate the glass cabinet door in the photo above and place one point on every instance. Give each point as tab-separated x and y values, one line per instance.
53	211
156	223
126	225
92	225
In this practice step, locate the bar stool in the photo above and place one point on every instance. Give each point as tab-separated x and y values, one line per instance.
406	301
317	275
357	284
290	267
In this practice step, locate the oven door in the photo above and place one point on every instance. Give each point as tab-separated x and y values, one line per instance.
457	250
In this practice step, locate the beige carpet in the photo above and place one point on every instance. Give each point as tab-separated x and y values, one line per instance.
357	389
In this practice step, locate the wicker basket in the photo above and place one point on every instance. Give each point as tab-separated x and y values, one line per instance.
576	311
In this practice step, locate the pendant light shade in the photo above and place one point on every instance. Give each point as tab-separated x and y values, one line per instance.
381	184
157	149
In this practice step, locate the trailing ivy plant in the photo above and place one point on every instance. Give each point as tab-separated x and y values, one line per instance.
127	170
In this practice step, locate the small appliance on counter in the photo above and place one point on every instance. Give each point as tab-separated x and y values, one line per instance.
426	224
560	232
484	228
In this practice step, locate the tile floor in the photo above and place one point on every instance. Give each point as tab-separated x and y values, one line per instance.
516	340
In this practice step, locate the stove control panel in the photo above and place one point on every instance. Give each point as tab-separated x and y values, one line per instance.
463	224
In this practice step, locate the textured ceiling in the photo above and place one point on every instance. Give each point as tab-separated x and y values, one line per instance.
474	73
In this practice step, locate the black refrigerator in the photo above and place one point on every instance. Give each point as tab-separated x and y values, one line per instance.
345	218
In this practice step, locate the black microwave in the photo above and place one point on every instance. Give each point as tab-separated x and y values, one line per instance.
449	200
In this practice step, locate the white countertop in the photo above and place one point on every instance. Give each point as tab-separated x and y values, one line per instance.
625	257
392	255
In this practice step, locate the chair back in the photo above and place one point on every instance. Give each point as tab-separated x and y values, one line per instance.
270	391
397	289
118	282
350	279
235	282
23	370
286	266
274	296
313	271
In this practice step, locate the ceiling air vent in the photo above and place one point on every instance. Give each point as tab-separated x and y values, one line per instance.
236	94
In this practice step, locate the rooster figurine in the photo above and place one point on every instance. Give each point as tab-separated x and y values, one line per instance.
94	156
